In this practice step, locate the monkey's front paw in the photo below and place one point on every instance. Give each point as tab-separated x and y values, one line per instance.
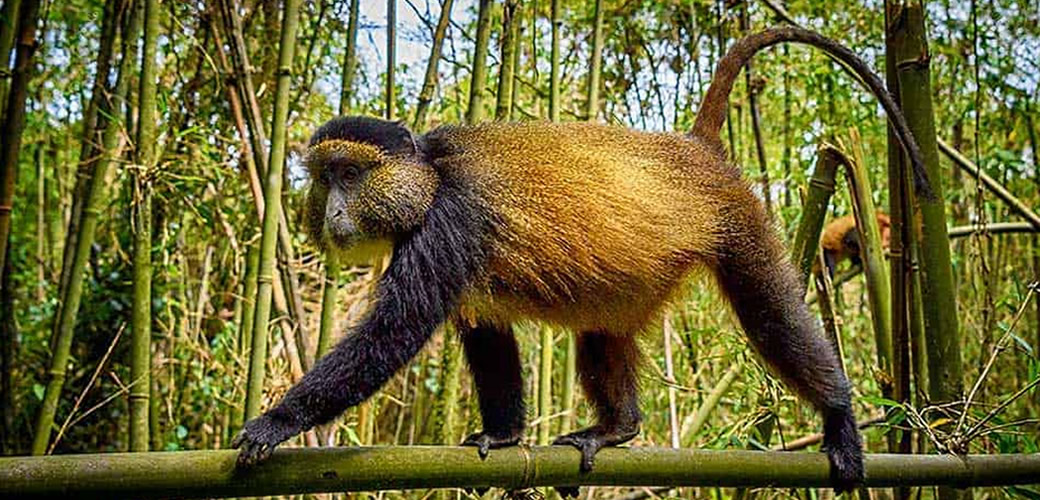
260	436
485	442
844	450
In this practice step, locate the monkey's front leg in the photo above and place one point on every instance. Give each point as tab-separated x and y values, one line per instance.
348	375
409	306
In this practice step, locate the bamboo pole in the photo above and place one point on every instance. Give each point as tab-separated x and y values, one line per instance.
96	192
879	291
8	27
272	196
692	424
545	366
478	78
141	210
990	183
821	188
554	62
208	474
349	57
596	64
430	79
510	44
448	402
391	56
14	116
910	49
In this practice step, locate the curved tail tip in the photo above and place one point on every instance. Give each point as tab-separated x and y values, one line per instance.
922	186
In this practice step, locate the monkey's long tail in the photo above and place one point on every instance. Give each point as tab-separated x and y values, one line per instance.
712	112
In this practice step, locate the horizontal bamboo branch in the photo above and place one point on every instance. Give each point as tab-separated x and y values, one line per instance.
995	187
197	474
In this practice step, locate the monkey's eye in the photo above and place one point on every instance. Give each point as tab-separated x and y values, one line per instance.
351	173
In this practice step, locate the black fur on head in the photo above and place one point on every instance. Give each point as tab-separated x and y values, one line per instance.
392	137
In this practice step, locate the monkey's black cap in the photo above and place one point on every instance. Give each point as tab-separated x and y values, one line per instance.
390	136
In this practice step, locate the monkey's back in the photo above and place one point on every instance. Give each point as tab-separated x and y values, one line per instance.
597	225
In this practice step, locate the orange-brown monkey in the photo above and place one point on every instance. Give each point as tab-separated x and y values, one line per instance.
587	226
841	240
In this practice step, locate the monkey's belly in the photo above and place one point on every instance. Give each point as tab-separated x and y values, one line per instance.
624	310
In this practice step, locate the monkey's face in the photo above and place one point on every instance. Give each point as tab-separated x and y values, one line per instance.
363	196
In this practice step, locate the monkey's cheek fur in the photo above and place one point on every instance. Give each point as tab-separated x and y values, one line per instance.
360	250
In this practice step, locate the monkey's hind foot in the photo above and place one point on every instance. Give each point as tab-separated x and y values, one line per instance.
844	449
486	441
589	441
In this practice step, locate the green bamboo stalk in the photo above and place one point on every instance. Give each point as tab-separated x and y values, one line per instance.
448	402
245	331
510	43
545	385
95	196
391	55
8	27
825	295
879	291
8	350
41	223
349	57
910	49
596	64
14	117
1034	144
993	228
92	138
570	376
478	80
288	298
208	474
693	423
821	188
901	215
990	183
328	305
272	201
430	79
514	97
141	323
554	63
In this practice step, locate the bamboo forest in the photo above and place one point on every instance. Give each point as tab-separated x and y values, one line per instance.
202	259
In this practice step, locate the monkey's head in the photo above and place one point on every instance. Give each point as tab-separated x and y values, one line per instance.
369	185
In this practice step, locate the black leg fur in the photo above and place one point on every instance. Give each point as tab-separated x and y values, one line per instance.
763	287
608	366
494	361
420	289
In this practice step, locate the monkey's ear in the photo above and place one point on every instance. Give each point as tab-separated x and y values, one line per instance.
407	138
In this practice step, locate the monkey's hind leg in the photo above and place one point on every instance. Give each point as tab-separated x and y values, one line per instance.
756	274
494	361
607	365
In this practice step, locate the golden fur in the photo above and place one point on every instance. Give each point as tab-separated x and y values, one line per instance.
602	222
